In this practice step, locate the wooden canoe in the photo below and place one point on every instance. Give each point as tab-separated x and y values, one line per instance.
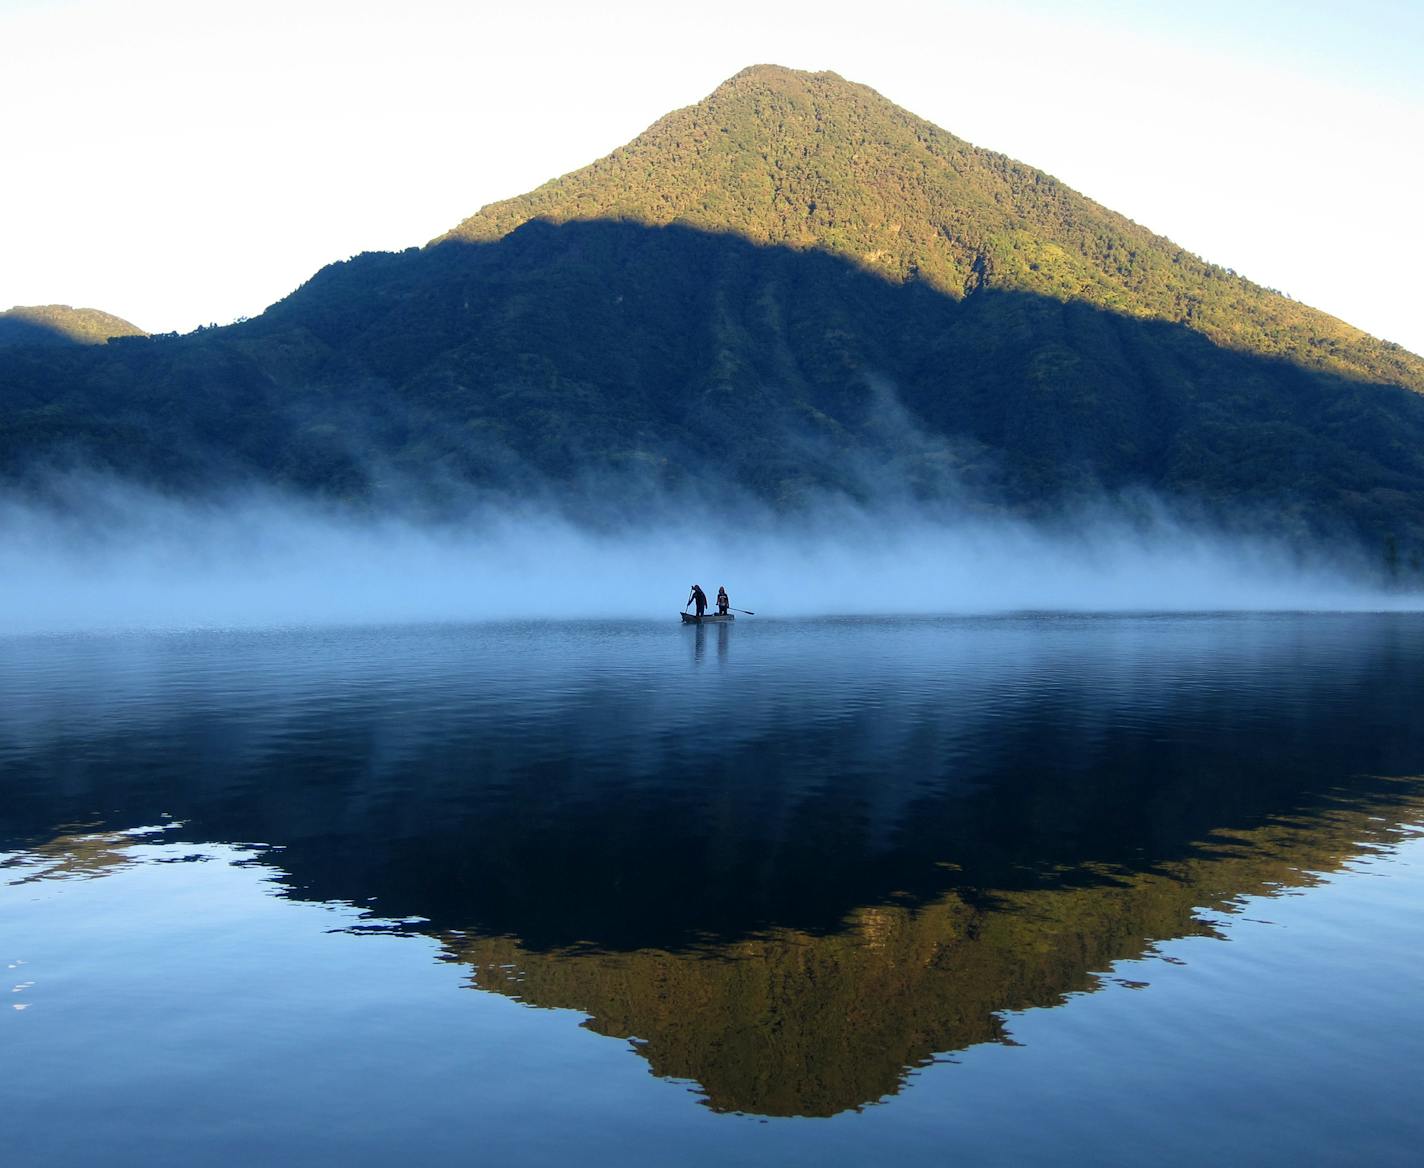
710	618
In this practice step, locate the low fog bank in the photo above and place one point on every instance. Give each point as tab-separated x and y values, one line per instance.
126	559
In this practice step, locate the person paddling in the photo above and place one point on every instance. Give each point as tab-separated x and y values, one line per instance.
724	602
699	598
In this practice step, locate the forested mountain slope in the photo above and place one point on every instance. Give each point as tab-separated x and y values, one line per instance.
789	290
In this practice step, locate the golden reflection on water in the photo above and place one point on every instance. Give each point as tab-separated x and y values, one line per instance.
77	855
789	1022
793	1023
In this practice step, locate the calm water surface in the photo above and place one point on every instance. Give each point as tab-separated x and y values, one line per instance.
1015	890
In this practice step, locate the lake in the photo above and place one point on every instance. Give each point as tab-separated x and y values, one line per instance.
1007	890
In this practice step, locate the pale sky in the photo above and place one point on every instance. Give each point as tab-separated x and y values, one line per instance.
180	162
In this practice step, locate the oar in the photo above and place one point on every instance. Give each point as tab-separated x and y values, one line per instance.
745	610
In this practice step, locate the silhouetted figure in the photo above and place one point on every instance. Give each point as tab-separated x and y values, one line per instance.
724	602
699	598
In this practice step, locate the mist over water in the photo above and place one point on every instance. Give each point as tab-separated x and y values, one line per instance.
124	558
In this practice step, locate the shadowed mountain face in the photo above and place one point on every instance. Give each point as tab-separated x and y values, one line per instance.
58	324
791	289
629	362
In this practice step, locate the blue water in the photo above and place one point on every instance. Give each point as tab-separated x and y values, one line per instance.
1040	889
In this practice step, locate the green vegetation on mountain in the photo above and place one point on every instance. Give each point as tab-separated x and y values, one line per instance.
789	290
802	160
58	324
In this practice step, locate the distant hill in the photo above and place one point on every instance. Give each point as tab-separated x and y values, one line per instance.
58	324
791	289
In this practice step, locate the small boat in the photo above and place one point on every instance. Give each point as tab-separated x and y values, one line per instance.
710	618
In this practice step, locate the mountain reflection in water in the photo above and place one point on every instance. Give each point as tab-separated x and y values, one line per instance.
793	862
793	1023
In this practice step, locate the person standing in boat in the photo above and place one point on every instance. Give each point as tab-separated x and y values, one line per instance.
724	602
699	598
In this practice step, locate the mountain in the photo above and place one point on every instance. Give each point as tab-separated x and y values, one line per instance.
790	291
58	324
801	160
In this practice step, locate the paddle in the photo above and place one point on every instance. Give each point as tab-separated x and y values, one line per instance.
745	610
